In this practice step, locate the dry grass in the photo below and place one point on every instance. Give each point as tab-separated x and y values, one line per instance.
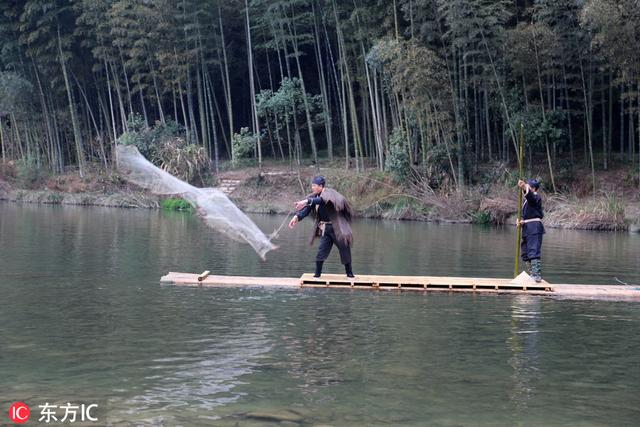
500	204
67	183
605	212
8	169
275	188
499	209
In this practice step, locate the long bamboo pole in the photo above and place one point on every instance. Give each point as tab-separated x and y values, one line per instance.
520	176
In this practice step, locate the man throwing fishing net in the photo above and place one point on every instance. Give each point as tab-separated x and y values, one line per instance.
333	217
532	228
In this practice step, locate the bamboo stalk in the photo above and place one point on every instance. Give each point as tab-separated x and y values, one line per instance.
520	176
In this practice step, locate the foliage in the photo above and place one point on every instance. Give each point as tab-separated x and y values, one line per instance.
188	162
482	218
285	107
243	144
165	146
617	33
176	205
146	139
456	75
537	127
397	159
29	173
436	170
14	92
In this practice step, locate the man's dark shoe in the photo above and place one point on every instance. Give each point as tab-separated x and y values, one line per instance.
347	269
318	272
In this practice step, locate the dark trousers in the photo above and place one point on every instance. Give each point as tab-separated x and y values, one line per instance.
326	243
530	246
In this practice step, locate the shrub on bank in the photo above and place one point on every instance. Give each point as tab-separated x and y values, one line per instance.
29	174
397	161
165	145
176	205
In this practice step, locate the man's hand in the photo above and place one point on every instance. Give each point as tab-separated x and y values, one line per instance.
301	204
293	222
523	185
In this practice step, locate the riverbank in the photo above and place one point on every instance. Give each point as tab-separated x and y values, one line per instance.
97	188
616	207
275	187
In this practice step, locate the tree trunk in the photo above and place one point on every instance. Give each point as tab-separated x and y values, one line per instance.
307	107
204	126
256	126
621	122
74	120
610	135
4	154
566	95
604	126
226	81
344	71
544	115
45	113
103	153
323	87
332	64
126	82
192	120
184	113
487	122
158	99
216	149
587	114
123	114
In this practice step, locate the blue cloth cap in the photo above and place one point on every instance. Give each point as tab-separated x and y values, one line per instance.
534	183
319	180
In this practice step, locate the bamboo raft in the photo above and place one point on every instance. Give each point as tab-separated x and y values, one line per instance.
522	284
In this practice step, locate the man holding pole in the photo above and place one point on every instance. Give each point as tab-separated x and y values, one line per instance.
532	228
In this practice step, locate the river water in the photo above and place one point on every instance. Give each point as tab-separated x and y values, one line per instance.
83	319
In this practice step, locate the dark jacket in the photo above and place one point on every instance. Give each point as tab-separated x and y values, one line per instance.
330	206
532	208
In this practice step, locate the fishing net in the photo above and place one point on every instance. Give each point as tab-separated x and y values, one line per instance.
211	204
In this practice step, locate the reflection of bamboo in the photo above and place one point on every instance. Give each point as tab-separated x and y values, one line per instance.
2	141
520	176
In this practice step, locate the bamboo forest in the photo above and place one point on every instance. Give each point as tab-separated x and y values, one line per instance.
374	84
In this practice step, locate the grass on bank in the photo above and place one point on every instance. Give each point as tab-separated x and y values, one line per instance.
490	199
172	204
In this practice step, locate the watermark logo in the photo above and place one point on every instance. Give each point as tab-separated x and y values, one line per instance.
19	413
66	413
49	413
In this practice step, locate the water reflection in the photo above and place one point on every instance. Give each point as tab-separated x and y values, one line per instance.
200	377
87	317
523	343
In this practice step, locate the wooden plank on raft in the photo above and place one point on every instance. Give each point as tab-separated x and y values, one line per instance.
416	283
424	282
203	275
187	279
